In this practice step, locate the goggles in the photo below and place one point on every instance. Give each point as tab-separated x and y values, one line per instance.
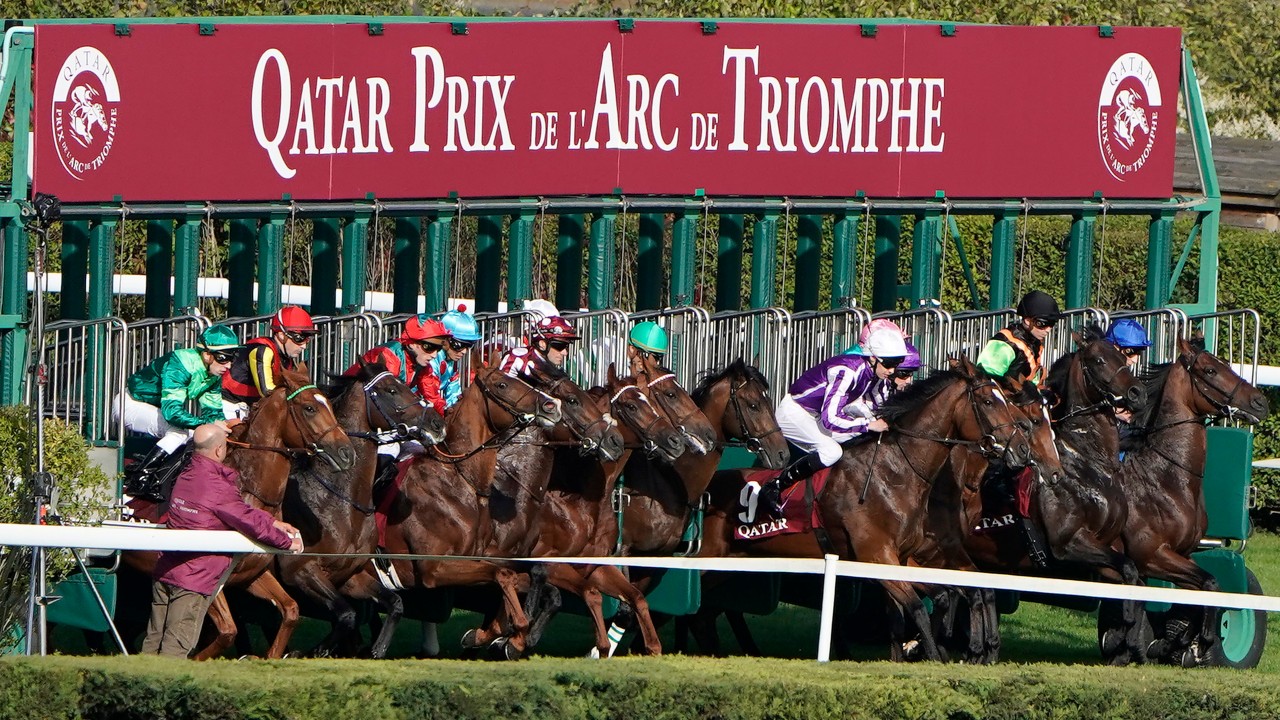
299	338
461	345
1132	351
222	357
904	373
890	362
1043	323
558	345
429	346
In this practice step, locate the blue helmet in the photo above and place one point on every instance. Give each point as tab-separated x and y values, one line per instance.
461	325
1128	333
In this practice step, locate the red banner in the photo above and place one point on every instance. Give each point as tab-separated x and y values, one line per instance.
331	111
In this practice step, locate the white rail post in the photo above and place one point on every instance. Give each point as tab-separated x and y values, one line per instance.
828	607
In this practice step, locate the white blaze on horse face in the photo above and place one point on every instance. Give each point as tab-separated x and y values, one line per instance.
323	401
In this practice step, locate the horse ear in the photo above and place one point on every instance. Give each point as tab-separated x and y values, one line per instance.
967	367
1077	338
953	362
613	374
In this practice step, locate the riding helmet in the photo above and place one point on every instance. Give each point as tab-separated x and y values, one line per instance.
1036	304
555	328
422	327
461	325
1128	333
912	360
294	319
218	338
650	337
885	343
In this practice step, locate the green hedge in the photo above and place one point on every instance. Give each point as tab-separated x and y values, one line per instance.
651	688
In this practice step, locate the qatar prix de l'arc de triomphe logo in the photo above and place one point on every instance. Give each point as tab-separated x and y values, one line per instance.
86	107
1128	115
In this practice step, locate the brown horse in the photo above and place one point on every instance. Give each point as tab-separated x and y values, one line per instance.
334	510
1164	469
442	508
874	502
295	420
1081	516
578	517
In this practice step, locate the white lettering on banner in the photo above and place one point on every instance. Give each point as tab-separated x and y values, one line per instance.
421	104
368	132
739	56
644	110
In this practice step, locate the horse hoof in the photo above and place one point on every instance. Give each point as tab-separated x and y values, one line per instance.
469	639
502	649
593	653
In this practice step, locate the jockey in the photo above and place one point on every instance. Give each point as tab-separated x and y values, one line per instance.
155	398
410	357
646	339
833	402
257	369
465	333
549	339
906	370
1018	350
1130	338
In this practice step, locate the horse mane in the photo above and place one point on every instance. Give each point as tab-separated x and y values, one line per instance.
917	395
737	368
1060	374
1155	378
1022	394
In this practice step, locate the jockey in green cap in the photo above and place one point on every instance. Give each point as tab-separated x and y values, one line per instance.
646	338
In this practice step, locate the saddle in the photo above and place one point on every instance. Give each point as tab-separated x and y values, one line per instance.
755	521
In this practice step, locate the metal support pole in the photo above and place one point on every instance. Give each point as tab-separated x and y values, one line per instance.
186	263
826	621
435	279
326	239
729	263
926	259
242	263
1079	270
488	262
13	304
808	262
649	274
159	297
884	292
684	254
270	264
1004	235
764	259
570	232
844	260
1160	260
75	269
520	256
102	266
355	270
406	253
603	261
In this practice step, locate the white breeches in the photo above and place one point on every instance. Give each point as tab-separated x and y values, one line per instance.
146	419
803	429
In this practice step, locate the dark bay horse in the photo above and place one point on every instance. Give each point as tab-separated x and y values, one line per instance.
334	510
874	503
295	420
1083	513
442	508
1163	473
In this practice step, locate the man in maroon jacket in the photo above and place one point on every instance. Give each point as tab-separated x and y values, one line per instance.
206	496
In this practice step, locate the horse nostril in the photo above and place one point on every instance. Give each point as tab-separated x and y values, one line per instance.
1259	403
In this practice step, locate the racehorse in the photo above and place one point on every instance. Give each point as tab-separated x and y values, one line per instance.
875	498
334	511
578	518
295	420
442	505
1164	469
1081	516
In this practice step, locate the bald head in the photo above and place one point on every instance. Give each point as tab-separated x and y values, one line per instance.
211	441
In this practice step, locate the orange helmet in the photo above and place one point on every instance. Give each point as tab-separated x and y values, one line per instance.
422	327
554	328
294	319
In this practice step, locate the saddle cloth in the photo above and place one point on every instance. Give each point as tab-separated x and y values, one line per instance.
754	521
1000	506
383	502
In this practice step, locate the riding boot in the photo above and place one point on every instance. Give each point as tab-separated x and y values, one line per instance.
1035	541
385	473
141	479
771	492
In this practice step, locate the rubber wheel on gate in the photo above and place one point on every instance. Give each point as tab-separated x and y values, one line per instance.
1243	634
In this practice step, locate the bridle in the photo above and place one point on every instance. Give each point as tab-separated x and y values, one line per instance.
310	446
1094	384
989	444
754	443
522	421
679	421
396	429
589	444
649	445
1224	409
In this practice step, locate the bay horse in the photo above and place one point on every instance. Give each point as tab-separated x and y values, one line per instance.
874	502
1164	470
578	518
442	507
295	420
1082	514
334	511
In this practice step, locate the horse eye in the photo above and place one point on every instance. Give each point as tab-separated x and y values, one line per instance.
502	386
1210	371
755	407
311	409
671	394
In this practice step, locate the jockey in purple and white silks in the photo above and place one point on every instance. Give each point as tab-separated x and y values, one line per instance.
834	402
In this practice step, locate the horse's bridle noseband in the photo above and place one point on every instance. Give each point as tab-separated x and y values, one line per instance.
589	445
397	430
1225	408
650	446
313	445
754	443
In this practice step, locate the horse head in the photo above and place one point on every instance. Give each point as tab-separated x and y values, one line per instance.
629	403
673	401
1100	373
990	419
508	400
1220	390
586	422
738	396
391	405
306	421
1036	425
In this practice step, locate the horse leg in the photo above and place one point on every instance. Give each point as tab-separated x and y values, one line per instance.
742	633
1170	566
568	578
315	583
610	581
267	587
220	614
364	585
547	609
908	601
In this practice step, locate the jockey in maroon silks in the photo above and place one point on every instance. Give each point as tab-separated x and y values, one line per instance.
549	340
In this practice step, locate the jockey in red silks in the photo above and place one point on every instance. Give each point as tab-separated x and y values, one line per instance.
412	355
258	368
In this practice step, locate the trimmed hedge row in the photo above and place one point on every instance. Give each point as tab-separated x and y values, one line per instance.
670	687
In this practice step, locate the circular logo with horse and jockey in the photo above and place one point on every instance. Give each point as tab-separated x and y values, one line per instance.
86	107
1128	115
